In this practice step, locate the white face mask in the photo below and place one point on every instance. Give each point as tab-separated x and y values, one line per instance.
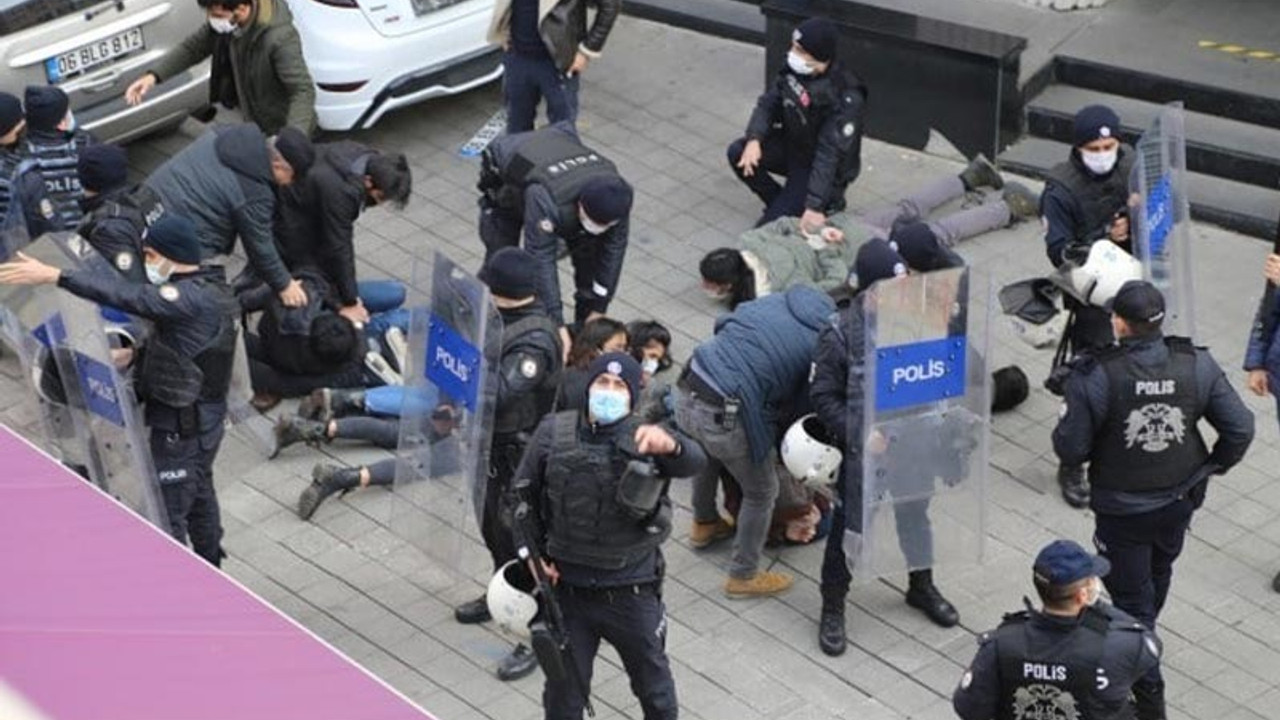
716	293
649	366
798	64
71	122
1095	592
222	26
1100	163
591	226
155	276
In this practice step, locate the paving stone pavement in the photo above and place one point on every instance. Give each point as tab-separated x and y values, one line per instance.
663	104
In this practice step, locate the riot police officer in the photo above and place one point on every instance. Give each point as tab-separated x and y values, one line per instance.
549	183
838	368
22	198
1076	653
529	373
587	471
1085	199
185	370
54	143
115	221
1132	412
808	128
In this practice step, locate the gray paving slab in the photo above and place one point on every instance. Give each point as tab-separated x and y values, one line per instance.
666	102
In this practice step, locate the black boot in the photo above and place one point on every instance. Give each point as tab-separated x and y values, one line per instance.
832	636
924	596
1275	584
1148	700
291	430
473	612
326	404
980	172
1074	489
519	663
325	481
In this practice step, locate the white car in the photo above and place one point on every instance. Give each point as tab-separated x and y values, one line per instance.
371	56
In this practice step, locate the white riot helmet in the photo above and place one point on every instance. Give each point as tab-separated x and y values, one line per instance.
808	452
510	599
1098	280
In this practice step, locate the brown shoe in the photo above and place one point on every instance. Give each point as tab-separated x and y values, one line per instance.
263	402
762	584
706	534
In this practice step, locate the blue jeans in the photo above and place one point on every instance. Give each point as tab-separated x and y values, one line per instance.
383	299
394	400
528	79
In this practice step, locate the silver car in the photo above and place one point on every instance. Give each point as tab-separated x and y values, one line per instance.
93	50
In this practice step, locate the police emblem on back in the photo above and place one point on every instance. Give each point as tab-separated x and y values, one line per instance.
1044	702
1154	427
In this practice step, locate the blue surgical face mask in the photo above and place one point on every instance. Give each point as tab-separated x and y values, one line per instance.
155	276
608	406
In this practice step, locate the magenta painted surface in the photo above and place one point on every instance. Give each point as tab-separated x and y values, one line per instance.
103	618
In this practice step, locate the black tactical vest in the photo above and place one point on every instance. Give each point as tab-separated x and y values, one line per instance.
178	381
10	163
587	525
1058	682
1099	198
1150	440
57	165
560	164
523	413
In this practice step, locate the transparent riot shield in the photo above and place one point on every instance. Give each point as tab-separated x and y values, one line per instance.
1160	217
922	427
244	420
446	424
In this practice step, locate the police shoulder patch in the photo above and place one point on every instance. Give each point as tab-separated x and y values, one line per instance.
169	292
848	129
124	261
545	225
529	368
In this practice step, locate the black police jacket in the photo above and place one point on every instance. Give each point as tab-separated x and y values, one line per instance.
528	371
821	118
114	226
1078	206
1088	412
1035	664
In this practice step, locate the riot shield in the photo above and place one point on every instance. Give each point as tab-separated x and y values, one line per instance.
446	423
244	420
1160	217
922	427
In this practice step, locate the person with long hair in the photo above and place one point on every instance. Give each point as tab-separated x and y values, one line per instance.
597	337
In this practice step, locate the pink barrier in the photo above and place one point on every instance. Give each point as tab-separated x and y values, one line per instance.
102	617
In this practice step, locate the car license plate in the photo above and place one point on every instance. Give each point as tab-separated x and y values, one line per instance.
87	57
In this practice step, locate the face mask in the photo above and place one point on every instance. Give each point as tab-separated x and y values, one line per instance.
649	366
1095	592
590	225
155	277
608	406
1100	163
72	125
798	64
716	293
222	26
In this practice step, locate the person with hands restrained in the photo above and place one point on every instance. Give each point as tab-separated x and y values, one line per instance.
597	486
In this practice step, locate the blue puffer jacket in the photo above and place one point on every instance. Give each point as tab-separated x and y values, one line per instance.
1263	352
761	354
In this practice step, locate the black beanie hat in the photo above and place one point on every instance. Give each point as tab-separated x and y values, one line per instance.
606	200
174	237
296	149
510	273
10	112
620	364
818	38
103	168
876	261
1009	388
1095	122
46	106
919	246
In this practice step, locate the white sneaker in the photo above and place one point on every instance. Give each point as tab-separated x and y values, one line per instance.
380	367
399	348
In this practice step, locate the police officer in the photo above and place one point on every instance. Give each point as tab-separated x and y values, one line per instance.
54	142
185	370
1085	199
1078	657
1132	412
808	128
601	551
114	222
549	183
22	199
838	367
529	373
